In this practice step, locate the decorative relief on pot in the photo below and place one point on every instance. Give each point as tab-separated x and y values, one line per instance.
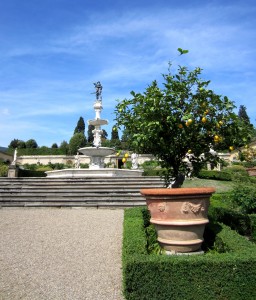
161	206
194	208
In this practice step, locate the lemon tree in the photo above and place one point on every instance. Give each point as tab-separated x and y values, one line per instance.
181	122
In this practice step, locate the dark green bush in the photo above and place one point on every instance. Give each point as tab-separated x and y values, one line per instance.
229	275
238	173
31	173
213	174
244	196
150	164
234	219
153	172
3	170
253	227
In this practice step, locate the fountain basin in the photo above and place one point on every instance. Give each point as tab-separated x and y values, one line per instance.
98	122
88	173
98	152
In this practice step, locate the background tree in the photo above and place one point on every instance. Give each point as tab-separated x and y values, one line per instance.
126	139
90	134
64	147
21	144
115	141
114	133
16	143
54	146
31	144
104	134
77	141
80	127
243	114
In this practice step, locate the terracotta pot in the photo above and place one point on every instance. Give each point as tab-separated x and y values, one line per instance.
179	216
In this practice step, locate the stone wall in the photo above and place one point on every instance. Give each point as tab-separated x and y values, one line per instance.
63	159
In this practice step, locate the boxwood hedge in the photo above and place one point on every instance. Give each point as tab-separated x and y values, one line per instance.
229	275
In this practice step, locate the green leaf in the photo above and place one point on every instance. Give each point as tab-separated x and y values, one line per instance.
182	51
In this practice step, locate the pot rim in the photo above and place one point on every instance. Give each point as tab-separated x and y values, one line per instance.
178	191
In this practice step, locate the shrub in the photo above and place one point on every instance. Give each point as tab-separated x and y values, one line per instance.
216	175
209	276
154	172
234	219
253	227
244	196
3	170
238	173
31	173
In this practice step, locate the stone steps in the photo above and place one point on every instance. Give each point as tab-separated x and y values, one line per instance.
75	192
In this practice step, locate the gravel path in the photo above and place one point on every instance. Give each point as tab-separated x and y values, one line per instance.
60	254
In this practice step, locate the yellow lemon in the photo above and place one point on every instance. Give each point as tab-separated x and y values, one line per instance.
189	122
204	119
216	138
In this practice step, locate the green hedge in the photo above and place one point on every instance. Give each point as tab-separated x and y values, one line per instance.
3	170
213	174
232	218
230	275
153	172
253	227
31	173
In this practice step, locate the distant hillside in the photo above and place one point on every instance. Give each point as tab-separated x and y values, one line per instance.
3	149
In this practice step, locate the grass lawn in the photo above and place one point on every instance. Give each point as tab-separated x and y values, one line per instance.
219	185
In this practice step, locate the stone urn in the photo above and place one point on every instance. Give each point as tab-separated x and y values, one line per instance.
179	216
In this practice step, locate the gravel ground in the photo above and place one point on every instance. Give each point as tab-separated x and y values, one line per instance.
60	254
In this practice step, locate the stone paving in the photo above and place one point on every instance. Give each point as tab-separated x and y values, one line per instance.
60	254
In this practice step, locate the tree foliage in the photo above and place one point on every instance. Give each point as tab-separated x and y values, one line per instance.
31	144
16	143
90	134
80	127
243	114
77	141
64	147
55	145
104	134
114	134
183	119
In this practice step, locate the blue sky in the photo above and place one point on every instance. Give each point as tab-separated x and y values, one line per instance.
52	51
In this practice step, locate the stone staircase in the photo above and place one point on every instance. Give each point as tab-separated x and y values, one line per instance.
75	192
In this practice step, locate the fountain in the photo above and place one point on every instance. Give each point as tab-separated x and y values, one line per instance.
96	152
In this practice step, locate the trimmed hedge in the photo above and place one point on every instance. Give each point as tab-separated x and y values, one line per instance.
234	219
153	172
253	227
31	173
216	175
230	275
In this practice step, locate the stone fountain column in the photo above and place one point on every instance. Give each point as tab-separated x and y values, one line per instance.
97	153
